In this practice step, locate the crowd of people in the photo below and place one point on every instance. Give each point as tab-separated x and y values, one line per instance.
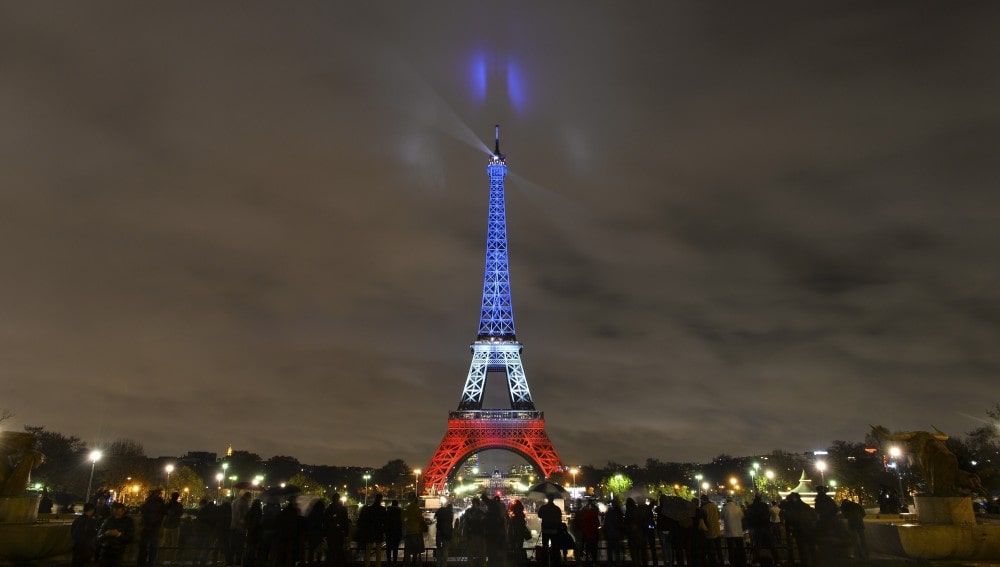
283	531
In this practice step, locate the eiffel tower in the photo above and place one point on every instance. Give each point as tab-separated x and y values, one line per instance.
471	429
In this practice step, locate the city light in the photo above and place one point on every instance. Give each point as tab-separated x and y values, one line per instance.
94	457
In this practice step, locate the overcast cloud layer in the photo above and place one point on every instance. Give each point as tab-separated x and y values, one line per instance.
731	230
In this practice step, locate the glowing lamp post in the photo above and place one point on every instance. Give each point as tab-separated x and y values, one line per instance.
94	457
896	453
416	481
697	479
821	467
169	469
367	477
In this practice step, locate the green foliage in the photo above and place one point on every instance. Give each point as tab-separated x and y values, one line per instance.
617	484
65	468
308	484
188	483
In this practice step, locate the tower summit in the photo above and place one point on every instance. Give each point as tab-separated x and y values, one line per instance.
471	429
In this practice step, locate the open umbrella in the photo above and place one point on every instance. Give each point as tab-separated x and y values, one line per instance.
286	490
677	508
543	490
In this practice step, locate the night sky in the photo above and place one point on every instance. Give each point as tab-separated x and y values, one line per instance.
732	229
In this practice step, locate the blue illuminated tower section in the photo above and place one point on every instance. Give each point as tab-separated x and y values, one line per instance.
496	347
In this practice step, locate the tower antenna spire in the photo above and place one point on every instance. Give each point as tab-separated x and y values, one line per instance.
496	148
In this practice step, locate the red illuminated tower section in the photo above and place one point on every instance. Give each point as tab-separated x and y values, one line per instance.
471	429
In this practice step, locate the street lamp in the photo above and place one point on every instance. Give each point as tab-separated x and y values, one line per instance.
218	479
896	452
94	457
821	467
573	472
169	469
698	478
416	481
367	477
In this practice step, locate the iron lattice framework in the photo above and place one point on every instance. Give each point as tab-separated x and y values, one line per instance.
472	429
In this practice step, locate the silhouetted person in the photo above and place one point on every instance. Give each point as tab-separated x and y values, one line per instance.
732	526
286	548
517	533
238	530
588	524
315	532
393	531
171	529
151	514
801	521
854	513
371	530
473	521
551	519
648	532
45	504
413	528
614	533
711	530
115	533
83	531
758	519
634	532
251	551
338	526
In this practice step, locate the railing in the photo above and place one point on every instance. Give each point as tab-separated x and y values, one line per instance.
496	415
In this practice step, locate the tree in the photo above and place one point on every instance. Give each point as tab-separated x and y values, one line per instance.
245	465
280	469
65	468
189	484
617	484
308	484
983	450
127	470
395	472
857	471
